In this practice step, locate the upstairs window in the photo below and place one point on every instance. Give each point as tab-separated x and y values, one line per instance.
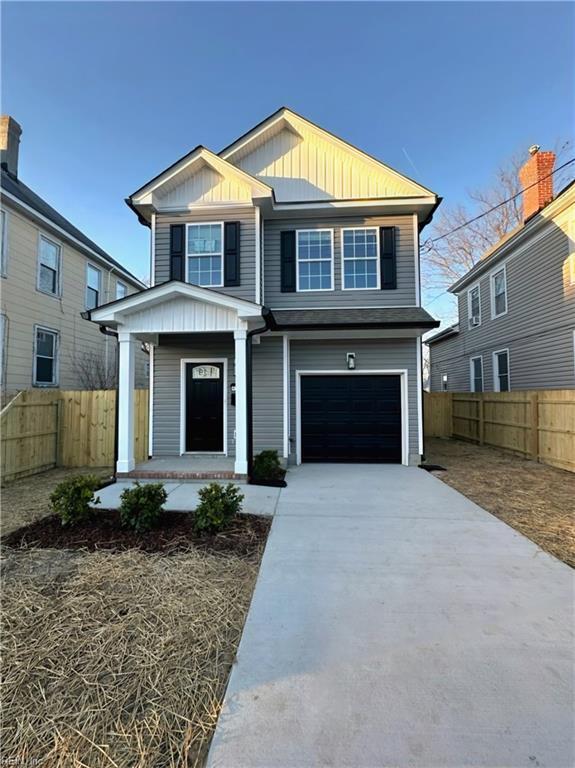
498	293
121	290
474	306
204	259
49	267
3	248
501	370
360	258
45	358
93	287
314	257
476	374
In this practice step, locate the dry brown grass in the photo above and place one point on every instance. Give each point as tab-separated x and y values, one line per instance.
117	659
535	499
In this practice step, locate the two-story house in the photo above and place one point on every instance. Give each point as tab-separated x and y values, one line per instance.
516	306
285	307
51	273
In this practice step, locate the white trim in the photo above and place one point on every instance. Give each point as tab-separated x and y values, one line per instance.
151	403
418	343
417	264
286	393
258	255
495	363
402	372
126	383
56	359
66	236
469	315
4	245
206	359
99	271
153	250
492	274
241	367
472	377
365	202
314	290
207	255
377	259
59	281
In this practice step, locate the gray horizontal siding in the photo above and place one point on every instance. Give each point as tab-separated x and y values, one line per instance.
268	394
537	329
166	407
372	354
246	217
403	295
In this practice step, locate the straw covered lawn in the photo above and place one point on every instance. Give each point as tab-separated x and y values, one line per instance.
117	659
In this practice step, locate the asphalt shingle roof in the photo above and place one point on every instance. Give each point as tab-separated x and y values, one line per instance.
383	317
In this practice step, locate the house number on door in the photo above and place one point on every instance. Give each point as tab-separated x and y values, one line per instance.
205	372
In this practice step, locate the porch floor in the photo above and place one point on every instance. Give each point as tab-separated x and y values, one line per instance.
186	468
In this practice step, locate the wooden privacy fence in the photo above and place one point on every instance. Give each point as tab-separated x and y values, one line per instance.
538	424
41	429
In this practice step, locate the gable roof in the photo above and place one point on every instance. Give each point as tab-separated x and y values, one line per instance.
451	330
14	188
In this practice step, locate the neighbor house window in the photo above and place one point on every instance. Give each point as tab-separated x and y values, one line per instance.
49	266
205	254
121	290
444	386
474	306
93	287
501	370
498	293
314	249
3	347
476	374
3	245
45	357
360	258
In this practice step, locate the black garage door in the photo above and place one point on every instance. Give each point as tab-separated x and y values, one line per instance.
353	418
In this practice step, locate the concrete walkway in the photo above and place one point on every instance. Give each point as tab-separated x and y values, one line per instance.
396	623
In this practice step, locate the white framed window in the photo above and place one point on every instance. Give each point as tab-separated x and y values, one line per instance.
444	383
501	378
204	254
360	258
93	286
46	343
474	306
314	259
499	293
49	258
476	374
3	242
121	290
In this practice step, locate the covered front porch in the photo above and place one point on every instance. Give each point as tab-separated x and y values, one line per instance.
187	467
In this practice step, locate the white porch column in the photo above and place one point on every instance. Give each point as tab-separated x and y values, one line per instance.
240	341
126	381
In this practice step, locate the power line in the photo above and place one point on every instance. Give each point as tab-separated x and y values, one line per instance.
429	243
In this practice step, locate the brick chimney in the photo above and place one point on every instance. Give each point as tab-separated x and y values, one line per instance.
537	182
9	143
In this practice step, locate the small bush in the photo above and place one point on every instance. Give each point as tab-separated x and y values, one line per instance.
217	507
71	499
142	505
267	466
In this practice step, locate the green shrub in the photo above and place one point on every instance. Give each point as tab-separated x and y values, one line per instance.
217	507
71	499
141	506
267	466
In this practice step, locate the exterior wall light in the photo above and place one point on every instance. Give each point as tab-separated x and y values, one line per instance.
350	357
233	394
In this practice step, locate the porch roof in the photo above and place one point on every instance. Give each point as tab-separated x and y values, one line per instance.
340	319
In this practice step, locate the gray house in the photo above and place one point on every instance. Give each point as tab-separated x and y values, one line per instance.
516	306
285	308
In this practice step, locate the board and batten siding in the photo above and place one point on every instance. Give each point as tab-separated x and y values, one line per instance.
370	354
267	383
538	328
247	218
168	355
403	295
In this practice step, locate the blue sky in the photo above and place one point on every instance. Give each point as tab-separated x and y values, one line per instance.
108	94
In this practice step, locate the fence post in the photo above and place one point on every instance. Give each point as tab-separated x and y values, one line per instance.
535	426
58	456
481	414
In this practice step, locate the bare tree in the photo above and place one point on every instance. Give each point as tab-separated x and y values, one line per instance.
449	254
94	371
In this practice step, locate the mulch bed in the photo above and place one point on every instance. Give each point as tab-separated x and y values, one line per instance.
244	537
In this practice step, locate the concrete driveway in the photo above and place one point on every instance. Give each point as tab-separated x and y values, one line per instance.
396	623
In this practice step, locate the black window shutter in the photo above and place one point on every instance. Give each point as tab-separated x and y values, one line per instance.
177	237
387	258
288	265
231	253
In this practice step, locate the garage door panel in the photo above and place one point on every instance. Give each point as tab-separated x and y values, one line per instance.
351	418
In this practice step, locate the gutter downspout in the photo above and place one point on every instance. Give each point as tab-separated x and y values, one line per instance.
266	314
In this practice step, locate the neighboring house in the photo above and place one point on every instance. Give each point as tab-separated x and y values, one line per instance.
51	273
516	306
285	307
